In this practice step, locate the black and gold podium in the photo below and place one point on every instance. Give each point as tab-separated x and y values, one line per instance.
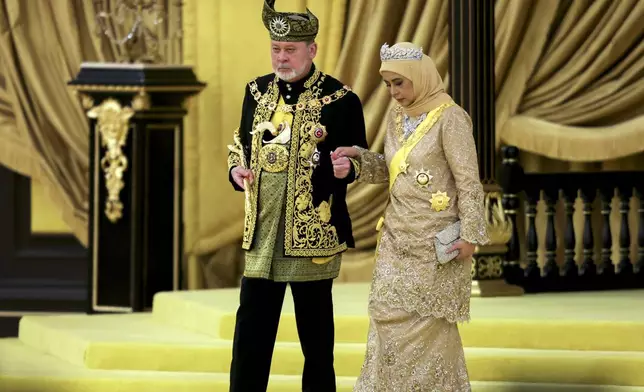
135	114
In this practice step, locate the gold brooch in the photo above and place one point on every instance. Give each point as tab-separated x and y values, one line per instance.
273	158
318	132
403	167
439	201
423	178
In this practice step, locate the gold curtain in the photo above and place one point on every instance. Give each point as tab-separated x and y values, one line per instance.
570	95
569	78
568	81
43	129
44	134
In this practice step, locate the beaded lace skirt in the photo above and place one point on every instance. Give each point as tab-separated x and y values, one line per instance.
407	352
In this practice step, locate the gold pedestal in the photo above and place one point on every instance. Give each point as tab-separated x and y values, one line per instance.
488	260
487	273
495	288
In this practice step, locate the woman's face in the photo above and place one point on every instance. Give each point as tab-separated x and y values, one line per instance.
400	88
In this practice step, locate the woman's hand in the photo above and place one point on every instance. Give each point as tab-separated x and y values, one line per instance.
465	249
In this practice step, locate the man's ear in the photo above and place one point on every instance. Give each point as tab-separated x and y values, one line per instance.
313	50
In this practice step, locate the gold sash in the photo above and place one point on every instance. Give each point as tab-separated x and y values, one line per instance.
399	163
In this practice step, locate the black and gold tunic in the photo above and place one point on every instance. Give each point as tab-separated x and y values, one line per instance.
301	236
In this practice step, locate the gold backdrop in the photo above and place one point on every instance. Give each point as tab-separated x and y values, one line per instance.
569	84
568	81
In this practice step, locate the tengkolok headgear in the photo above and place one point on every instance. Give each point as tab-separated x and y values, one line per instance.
289	26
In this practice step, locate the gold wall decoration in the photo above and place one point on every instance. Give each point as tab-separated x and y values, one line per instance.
86	101
112	123
499	227
139	28
141	101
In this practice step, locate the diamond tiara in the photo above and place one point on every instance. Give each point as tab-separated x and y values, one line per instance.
390	53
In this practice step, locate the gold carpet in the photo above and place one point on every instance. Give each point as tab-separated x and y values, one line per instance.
547	342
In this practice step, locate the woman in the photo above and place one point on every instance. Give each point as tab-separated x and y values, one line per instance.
431	165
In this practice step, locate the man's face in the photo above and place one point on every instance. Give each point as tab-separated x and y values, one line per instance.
292	60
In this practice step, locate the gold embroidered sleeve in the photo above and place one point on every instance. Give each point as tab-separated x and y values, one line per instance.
233	160
460	150
373	167
234	151
356	167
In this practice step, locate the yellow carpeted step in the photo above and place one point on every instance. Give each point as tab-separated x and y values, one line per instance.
23	369
140	342
603	321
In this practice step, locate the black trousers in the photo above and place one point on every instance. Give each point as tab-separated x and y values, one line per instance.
256	330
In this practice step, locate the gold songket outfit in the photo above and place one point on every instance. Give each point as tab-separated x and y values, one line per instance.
415	302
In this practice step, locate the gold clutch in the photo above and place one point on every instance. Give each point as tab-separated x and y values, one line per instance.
444	239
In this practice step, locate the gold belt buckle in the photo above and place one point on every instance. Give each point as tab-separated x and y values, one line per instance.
273	158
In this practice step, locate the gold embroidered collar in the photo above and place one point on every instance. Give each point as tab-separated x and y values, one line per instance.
315	103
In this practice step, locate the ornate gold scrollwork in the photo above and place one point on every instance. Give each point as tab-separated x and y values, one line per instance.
86	101
113	125
499	227
488	267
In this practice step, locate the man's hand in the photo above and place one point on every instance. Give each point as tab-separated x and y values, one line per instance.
341	165
240	174
350	152
465	249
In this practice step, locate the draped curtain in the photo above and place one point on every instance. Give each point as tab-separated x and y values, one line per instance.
43	129
569	87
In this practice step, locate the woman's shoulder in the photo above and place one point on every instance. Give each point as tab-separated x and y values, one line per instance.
455	115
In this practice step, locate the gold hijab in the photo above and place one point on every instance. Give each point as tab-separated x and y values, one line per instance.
408	60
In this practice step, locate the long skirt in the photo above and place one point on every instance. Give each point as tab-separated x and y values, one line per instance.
407	352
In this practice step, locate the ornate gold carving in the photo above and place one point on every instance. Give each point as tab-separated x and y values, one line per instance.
130	89
141	101
439	201
113	125
87	102
499	227
487	266
273	158
143	25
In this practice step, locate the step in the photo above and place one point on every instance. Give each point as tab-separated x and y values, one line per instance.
601	321
140	342
24	369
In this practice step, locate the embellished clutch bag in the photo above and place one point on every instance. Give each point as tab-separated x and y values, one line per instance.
444	239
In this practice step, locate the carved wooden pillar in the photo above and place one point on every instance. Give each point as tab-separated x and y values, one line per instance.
472	87
135	116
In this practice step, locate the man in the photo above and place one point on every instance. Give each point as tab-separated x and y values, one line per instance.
297	224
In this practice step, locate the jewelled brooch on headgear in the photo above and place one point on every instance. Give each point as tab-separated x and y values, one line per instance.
289	26
397	53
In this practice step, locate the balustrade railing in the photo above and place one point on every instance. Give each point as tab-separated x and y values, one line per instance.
595	268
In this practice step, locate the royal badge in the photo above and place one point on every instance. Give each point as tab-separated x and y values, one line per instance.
439	201
318	133
315	159
273	158
423	178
